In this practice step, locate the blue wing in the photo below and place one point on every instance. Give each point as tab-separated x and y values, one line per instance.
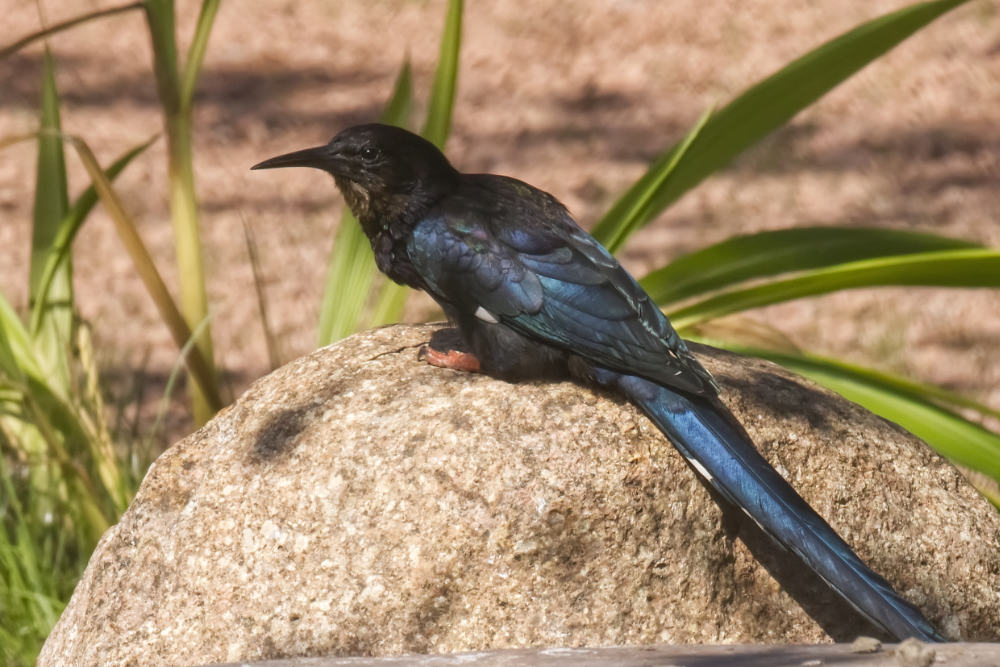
554	283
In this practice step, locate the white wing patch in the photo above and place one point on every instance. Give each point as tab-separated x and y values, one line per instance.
701	469
486	316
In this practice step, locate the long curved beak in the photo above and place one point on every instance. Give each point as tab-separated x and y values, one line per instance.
319	157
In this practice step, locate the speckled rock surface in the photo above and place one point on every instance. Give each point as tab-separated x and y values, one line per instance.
359	502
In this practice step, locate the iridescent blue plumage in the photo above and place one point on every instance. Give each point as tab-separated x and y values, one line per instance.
533	293
501	245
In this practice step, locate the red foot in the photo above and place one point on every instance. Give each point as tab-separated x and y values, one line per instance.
459	361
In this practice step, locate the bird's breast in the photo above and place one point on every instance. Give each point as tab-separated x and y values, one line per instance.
392	259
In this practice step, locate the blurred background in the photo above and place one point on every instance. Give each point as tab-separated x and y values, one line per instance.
576	99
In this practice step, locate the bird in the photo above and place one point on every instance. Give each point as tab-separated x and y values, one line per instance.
533	294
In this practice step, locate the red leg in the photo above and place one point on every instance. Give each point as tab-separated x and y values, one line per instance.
459	361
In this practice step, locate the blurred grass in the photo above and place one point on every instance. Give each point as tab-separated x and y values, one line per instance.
65	477
62	482
175	85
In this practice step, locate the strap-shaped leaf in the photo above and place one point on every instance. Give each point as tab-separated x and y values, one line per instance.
199	367
351	271
52	309
196	52
907	403
976	267
770	253
65	25
762	109
439	112
636	213
73	221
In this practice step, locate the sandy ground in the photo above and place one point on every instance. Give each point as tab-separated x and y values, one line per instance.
575	98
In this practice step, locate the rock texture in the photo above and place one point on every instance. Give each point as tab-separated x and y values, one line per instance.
357	501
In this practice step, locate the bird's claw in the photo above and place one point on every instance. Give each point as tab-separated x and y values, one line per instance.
459	361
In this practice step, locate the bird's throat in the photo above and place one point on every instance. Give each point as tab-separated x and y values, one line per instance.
384	213
357	197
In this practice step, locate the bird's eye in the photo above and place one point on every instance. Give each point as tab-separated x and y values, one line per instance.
369	153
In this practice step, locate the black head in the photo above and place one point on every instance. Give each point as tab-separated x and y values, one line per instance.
377	167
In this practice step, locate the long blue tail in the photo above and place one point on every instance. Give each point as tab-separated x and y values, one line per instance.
728	460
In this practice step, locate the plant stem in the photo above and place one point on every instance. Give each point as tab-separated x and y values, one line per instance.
187	239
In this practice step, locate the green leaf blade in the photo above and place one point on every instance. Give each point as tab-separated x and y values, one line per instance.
770	253
977	267
953	436
51	189
198	365
53	308
640	201
771	103
351	271
73	221
400	105
161	24
17	353
66	25
349	278
196	52
439	113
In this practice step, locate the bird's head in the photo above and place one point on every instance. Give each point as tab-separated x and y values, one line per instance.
383	171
